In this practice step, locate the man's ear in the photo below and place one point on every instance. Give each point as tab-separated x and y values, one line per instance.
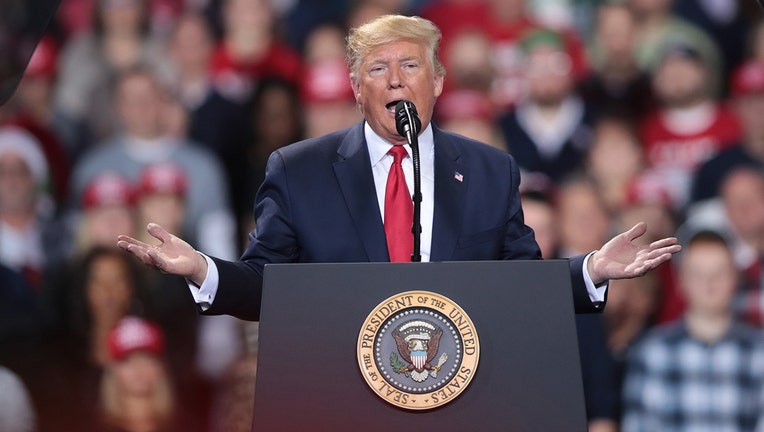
356	90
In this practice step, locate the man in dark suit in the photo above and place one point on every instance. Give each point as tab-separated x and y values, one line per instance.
324	199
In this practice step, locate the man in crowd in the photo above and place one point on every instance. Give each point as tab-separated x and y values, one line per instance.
705	371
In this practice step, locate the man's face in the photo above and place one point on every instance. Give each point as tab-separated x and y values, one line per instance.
401	70
708	278
680	82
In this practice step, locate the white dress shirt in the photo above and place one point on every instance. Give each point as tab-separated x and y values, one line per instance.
381	162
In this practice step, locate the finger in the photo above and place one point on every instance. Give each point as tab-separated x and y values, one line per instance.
654	263
140	252
636	231
668	241
158	232
123	241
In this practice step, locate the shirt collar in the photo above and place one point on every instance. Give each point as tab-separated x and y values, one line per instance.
378	146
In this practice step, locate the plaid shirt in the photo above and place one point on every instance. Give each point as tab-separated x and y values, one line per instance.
677	383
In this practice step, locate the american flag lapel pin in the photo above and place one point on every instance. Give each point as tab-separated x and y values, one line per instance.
458	176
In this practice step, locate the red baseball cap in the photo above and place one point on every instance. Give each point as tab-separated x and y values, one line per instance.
748	78
163	178
133	334
327	81
108	189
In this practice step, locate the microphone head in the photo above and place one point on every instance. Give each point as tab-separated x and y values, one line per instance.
403	110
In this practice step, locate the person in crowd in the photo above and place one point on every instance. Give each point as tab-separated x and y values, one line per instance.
725	23
328	102
747	91
615	138
197	346
549	132
25	206
742	197
597	366
647	199
17	414
689	126
251	50
705	370
630	314
658	26
277	120
136	391
213	121
30	108
616	83
120	40
391	58
143	141
108	207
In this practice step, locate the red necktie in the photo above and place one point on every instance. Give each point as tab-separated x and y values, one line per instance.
399	210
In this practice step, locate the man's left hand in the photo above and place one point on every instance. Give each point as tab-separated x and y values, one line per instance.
620	258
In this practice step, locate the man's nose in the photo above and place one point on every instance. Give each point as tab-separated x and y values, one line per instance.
394	79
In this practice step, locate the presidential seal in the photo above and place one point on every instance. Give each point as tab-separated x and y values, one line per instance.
418	350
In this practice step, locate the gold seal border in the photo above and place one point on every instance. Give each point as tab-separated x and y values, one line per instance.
411	300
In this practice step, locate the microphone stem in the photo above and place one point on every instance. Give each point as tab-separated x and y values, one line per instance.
416	227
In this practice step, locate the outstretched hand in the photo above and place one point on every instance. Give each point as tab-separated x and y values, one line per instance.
620	258
172	255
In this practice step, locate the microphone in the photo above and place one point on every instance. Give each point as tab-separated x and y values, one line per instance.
407	119
408	125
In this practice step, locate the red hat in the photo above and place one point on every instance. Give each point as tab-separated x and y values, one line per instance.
108	189
748	78
44	60
327	81
162	178
133	334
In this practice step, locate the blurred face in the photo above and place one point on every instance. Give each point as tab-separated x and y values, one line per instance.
613	142
708	278
108	289
167	210
615	34
121	16
583	220
547	74
139	374
192	45
651	7
540	217
17	185
743	196
680	82
325	43
140	106
276	118
401	70
247	16
103	224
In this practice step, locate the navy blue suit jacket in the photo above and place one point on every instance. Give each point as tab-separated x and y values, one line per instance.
318	204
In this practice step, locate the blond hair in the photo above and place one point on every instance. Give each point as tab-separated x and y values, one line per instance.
390	28
112	396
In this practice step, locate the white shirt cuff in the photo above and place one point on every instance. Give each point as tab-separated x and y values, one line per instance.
596	293
204	295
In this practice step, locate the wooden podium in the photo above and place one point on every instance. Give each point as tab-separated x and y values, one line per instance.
528	377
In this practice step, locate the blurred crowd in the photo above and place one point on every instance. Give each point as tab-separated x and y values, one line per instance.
133	111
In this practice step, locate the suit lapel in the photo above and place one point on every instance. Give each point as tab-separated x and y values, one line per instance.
449	197
356	181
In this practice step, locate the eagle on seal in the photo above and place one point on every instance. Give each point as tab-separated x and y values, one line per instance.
417	343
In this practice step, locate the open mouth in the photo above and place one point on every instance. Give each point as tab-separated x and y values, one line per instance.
391	106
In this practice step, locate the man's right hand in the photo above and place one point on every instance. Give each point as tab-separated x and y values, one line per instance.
172	255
